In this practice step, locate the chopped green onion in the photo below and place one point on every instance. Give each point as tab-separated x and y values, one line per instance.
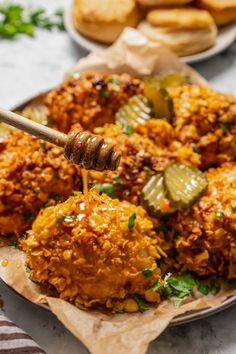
107	188
127	129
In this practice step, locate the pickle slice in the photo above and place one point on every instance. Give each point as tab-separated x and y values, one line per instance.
136	111
174	79
162	104
154	197
184	184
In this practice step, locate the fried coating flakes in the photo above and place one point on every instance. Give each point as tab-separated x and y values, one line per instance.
92	100
31	173
207	233
93	250
205	119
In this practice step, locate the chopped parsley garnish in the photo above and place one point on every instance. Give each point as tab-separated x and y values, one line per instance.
56	196
211	287
195	149
28	216
114	80
147	272
131	221
117	181
156	285
233	206
142	305
126	192
104	93
225	127
107	188
37	190
162	228
166	291
219	215
127	129
176	235
13	242
27	269
182	285
176	301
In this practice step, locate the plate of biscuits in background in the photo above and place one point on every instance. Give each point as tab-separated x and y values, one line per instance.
194	30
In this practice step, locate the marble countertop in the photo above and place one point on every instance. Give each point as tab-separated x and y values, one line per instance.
28	66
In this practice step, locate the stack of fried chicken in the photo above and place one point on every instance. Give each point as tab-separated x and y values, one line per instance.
107	248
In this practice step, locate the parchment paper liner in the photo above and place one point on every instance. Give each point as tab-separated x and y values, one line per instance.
124	333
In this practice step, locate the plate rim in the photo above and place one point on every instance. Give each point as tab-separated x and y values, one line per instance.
187	317
94	46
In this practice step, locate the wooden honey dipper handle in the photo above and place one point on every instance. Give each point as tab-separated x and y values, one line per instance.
82	148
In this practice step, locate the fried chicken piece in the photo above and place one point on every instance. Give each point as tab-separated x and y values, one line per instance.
93	250
207	233
140	158
31	172
206	120
92	100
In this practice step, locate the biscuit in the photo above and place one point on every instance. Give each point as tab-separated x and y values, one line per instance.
163	2
223	12
180	18
181	41
104	20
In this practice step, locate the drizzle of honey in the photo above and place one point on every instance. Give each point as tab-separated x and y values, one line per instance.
4	263
85	180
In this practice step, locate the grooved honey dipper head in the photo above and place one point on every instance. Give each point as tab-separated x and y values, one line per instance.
91	152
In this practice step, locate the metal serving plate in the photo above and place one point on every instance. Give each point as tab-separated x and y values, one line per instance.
182	319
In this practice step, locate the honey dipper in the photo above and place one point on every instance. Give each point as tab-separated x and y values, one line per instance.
82	148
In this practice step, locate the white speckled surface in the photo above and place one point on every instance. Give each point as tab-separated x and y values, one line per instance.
28	66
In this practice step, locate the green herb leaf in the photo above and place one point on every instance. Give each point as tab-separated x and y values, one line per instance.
104	93
127	129
166	291
126	192
204	289
28	216
37	190
117	181
13	242
195	149
131	221
107	188
181	285
142	305
225	127
56	196
27	269
219	215
163	229
233	206
176	235
156	285
114	80
147	272
175	301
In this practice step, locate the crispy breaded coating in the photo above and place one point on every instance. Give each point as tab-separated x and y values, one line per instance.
31	172
207	233
141	157
93	249
206	120
92	100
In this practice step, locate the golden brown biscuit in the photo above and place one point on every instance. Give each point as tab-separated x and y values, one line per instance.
164	2
182	41
182	18
104	20
223	11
